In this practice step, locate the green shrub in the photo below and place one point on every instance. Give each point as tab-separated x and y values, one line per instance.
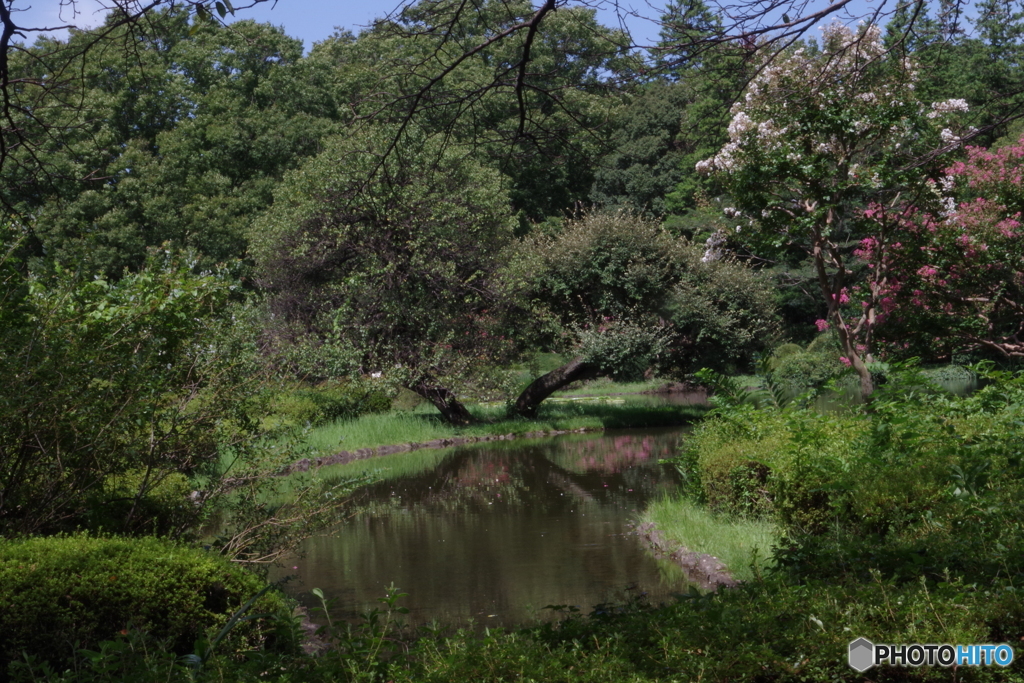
776	463
827	343
805	369
919	482
59	594
783	351
330	401
163	508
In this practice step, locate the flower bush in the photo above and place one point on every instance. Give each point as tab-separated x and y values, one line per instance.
957	277
820	142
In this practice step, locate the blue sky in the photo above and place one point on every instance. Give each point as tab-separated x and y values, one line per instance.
314	20
310	20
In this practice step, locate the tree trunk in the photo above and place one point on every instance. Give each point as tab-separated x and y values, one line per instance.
444	400
867	385
545	385
825	252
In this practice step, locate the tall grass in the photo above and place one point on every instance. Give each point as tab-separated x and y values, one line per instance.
399	427
739	543
380	429
605	386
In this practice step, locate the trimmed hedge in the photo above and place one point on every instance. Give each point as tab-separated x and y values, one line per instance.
62	593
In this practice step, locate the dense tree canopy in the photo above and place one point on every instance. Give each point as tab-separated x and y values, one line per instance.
387	263
180	140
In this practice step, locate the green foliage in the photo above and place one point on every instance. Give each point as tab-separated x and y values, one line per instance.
371	649
338	400
387	264
644	165
179	137
777	463
908	487
802	370
623	351
723	314
115	391
164	506
795	369
59	594
607	272
545	144
782	351
765	630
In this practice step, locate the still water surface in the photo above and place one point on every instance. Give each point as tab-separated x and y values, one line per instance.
497	531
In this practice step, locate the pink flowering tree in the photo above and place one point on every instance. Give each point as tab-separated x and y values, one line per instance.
958	275
822	144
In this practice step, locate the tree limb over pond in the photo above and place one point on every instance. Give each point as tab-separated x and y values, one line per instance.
541	388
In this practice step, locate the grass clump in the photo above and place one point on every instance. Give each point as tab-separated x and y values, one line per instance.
316	405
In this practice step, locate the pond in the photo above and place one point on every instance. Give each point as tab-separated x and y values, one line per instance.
496	532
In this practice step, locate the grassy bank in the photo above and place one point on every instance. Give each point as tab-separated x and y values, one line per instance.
743	545
423	425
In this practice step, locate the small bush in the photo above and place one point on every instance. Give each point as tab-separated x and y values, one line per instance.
330	401
59	594
783	351
163	508
805	370
779	464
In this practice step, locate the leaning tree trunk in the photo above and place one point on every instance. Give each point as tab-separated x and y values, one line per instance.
545	385
444	400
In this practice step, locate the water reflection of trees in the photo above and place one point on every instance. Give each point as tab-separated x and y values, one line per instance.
595	470
496	528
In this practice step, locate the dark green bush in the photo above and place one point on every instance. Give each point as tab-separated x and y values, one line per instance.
59	594
779	463
164	507
803	369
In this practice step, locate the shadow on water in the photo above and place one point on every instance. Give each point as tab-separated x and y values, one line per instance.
495	532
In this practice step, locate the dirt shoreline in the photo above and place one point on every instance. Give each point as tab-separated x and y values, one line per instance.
706	571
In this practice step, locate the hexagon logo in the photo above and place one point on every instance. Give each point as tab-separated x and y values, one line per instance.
862	654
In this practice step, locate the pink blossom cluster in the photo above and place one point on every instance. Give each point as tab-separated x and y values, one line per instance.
961	270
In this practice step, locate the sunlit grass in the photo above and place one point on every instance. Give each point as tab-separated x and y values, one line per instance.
368	431
731	540
605	386
401	427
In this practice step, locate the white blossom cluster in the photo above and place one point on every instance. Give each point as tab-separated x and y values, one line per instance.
943	190
714	248
828	78
947	107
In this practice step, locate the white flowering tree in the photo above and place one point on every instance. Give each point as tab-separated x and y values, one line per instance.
822	146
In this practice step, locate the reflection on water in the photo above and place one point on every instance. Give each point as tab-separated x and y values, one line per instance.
498	531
